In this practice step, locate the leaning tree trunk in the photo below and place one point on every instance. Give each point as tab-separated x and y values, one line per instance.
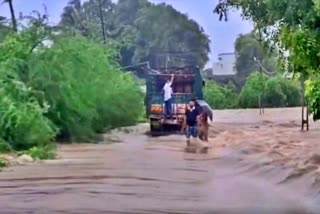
13	17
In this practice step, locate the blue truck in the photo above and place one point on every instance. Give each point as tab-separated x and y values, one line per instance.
187	84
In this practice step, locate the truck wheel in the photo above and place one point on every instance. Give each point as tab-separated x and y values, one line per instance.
154	131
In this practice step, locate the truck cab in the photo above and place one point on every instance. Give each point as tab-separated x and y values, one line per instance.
187	84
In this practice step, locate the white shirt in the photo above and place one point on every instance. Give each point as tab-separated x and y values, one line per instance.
167	91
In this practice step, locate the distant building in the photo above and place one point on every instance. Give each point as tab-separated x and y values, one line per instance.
225	65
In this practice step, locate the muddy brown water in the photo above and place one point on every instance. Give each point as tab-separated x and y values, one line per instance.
141	174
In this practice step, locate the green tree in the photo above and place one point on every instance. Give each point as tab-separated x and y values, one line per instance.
273	91
164	30
145	31
79	107
291	25
248	50
74	17
220	97
45	92
252	90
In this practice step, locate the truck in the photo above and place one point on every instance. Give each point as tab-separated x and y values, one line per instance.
187	84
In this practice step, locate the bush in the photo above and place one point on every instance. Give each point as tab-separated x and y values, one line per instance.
22	120
280	92
84	88
73	89
249	96
275	92
5	147
293	92
46	152
219	97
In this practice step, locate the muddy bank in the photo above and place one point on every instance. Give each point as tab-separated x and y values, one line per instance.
255	165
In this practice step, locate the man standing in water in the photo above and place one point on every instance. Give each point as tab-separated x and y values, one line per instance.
168	96
197	106
191	122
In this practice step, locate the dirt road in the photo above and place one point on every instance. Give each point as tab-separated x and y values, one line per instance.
255	165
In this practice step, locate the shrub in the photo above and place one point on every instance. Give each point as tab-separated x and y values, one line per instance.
73	88
293	93
46	152
280	92
85	89
5	147
219	97
254	87
22	120
275	92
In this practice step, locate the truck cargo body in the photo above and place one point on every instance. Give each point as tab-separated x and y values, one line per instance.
187	84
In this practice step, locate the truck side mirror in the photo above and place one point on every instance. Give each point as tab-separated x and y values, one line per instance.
203	83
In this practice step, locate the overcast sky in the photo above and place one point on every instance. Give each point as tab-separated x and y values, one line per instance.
221	34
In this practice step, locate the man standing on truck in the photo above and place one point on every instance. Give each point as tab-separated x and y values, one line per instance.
168	96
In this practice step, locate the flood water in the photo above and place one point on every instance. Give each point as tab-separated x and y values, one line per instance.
140	174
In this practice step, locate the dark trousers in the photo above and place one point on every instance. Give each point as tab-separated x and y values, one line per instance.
168	106
192	131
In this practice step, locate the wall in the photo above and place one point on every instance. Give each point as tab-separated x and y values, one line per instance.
225	64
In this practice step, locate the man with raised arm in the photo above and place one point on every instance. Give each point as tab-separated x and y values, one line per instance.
167	88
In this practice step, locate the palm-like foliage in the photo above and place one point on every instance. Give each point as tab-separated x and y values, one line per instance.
73	16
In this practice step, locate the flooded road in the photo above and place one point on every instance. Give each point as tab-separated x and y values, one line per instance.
251	167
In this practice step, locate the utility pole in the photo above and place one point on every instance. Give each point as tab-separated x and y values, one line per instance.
102	23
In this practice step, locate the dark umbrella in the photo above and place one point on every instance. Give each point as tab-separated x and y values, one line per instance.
206	108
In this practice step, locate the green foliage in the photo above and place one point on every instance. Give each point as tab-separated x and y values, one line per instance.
73	89
5	147
3	163
247	48
313	95
292	25
143	29
4	30
220	97
84	88
47	152
292	91
254	87
304	46
22	120
273	92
